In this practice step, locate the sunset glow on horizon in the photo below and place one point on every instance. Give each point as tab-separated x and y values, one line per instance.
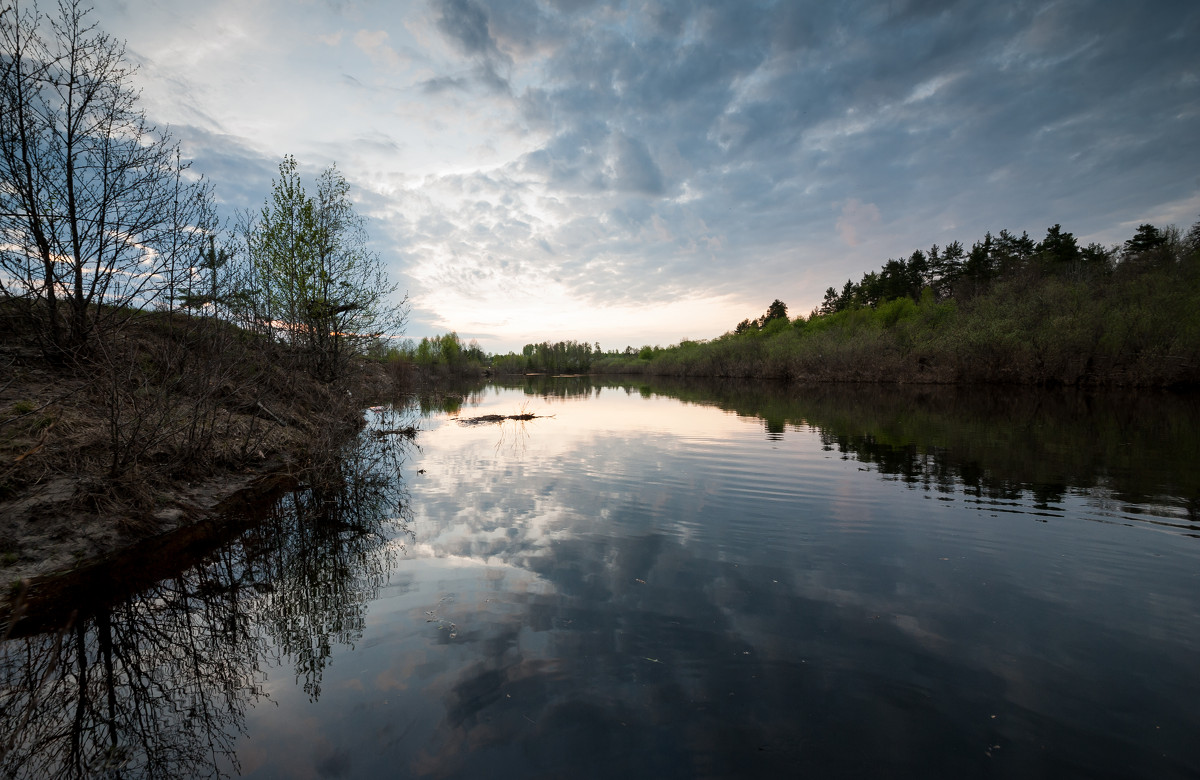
638	173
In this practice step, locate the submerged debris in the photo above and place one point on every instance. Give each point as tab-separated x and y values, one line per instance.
408	432
496	418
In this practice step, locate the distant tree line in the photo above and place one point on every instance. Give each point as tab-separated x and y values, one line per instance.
1009	309
775	314
446	354
953	272
938	278
560	357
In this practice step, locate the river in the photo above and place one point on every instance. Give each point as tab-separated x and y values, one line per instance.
664	579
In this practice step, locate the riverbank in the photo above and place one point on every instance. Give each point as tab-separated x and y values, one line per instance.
153	430
1009	312
1138	327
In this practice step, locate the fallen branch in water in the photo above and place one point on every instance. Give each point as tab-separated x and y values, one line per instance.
495	418
408	432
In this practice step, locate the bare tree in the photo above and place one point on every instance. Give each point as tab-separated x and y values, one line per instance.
95	202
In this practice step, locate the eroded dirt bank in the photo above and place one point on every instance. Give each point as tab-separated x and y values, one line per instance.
152	432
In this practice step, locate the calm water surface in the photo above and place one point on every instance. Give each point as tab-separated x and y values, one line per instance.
669	580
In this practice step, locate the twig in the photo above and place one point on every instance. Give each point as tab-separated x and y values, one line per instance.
268	411
410	432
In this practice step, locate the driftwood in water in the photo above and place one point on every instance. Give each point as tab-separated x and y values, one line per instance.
408	432
495	418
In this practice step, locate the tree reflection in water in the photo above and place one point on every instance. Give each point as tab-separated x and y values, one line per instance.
156	683
998	442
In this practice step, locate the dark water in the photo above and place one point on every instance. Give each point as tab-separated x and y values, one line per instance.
669	580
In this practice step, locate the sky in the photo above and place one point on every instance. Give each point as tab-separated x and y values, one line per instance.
647	171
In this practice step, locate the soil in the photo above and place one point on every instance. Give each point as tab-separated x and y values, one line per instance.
198	415
48	533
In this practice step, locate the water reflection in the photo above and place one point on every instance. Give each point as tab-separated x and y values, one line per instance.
996	443
843	581
670	579
157	682
156	686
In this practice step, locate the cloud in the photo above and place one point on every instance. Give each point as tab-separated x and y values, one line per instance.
242	175
856	217
374	44
633	168
465	23
439	84
673	149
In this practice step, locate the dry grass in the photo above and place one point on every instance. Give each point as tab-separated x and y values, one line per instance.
149	430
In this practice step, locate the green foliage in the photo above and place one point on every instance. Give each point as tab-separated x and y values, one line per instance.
562	357
888	314
776	325
317	281
508	364
1058	248
1147	238
447	354
1011	311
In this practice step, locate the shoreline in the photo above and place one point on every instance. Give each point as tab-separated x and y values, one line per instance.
63	542
48	593
156	430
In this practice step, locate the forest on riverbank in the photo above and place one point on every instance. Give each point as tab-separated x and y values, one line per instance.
1008	310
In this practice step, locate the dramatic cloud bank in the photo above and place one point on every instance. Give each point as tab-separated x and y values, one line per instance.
644	171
